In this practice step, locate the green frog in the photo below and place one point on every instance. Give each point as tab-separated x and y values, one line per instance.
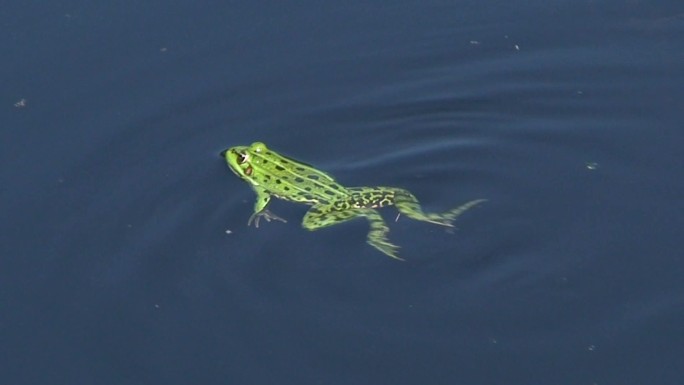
274	175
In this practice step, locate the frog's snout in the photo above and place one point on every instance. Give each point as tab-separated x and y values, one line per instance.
222	154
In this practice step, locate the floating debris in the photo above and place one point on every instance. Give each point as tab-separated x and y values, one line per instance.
21	103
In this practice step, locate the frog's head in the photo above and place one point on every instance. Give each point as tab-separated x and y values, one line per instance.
240	159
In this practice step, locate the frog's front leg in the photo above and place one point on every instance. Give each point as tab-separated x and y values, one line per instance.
323	216
260	208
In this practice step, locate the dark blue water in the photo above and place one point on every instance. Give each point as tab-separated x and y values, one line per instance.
125	255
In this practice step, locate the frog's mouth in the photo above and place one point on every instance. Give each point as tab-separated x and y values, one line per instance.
224	155
235	172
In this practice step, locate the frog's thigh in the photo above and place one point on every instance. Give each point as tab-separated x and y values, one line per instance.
315	219
377	235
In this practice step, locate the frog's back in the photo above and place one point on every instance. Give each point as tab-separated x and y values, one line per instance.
291	179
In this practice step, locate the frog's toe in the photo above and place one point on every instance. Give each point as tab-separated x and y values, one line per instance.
267	215
387	248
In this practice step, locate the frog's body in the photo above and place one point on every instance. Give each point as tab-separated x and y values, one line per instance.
272	174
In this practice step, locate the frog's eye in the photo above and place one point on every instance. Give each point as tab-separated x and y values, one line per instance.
242	157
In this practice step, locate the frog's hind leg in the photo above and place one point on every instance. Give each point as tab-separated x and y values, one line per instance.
377	235
317	218
408	205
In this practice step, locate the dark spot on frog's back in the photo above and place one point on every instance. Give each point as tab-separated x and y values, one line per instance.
299	180
300	169
280	168
312	177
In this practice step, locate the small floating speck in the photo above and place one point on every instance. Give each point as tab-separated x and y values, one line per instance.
591	348
163	49
517	47
228	231
474	42
21	103
591	165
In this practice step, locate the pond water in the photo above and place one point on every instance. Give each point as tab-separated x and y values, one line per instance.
125	252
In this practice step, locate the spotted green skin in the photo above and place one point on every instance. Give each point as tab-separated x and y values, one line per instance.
273	175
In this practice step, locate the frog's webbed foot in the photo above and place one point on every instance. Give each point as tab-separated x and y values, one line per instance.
377	235
383	244
267	215
451	215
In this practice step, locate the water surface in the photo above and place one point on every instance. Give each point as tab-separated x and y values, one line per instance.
126	258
